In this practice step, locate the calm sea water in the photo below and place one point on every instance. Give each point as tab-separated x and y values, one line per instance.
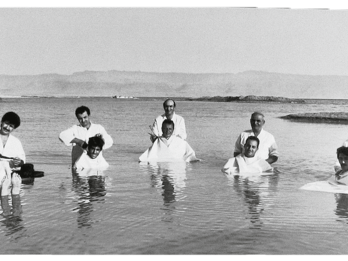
176	209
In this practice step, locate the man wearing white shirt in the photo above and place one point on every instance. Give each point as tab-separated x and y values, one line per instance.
78	135
268	149
168	148
246	162
169	113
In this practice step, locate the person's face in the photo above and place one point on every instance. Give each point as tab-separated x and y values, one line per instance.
250	148
93	151
169	107
343	159
83	119
257	122
6	128
167	130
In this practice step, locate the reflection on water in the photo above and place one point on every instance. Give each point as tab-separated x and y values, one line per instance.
169	178
258	192
14	225
90	190
342	206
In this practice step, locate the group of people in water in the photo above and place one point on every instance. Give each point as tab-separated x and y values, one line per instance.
255	149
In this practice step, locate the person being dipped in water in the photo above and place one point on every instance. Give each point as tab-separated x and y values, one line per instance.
92	158
77	136
11	159
247	162
341	176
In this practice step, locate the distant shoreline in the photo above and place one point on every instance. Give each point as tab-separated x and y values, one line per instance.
317	117
245	99
249	98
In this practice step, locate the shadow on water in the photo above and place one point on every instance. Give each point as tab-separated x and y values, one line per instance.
13	225
90	190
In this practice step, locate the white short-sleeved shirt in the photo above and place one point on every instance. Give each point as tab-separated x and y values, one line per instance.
179	126
267	146
13	148
82	133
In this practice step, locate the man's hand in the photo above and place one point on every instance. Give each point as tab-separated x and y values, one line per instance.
80	143
153	137
272	159
16	162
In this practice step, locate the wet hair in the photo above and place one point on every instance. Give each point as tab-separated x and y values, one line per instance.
343	150
253	138
12	118
96	141
166	121
164	103
81	110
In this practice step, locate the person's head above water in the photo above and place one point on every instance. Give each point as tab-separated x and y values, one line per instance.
169	107
95	146
251	146
167	128
257	121
342	156
9	122
82	114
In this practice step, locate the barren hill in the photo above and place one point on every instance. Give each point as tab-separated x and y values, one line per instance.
145	84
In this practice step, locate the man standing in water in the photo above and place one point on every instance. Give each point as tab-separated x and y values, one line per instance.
268	149
169	113
78	135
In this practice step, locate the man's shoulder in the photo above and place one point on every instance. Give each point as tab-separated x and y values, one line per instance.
14	139
246	133
266	133
178	116
160	117
95	125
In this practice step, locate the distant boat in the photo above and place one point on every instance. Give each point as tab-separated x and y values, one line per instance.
124	97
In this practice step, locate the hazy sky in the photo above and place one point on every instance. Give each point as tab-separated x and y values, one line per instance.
190	40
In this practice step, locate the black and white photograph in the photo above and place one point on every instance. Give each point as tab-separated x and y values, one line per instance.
174	129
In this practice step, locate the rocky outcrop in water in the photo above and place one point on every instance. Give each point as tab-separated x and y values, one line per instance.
327	117
249	98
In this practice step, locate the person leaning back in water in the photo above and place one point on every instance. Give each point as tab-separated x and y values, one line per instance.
78	135
247	162
341	176
169	114
92	159
268	149
169	147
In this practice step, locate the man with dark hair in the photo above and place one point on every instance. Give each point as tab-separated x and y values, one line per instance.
78	135
247	162
341	176
169	113
168	148
12	158
268	149
92	159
